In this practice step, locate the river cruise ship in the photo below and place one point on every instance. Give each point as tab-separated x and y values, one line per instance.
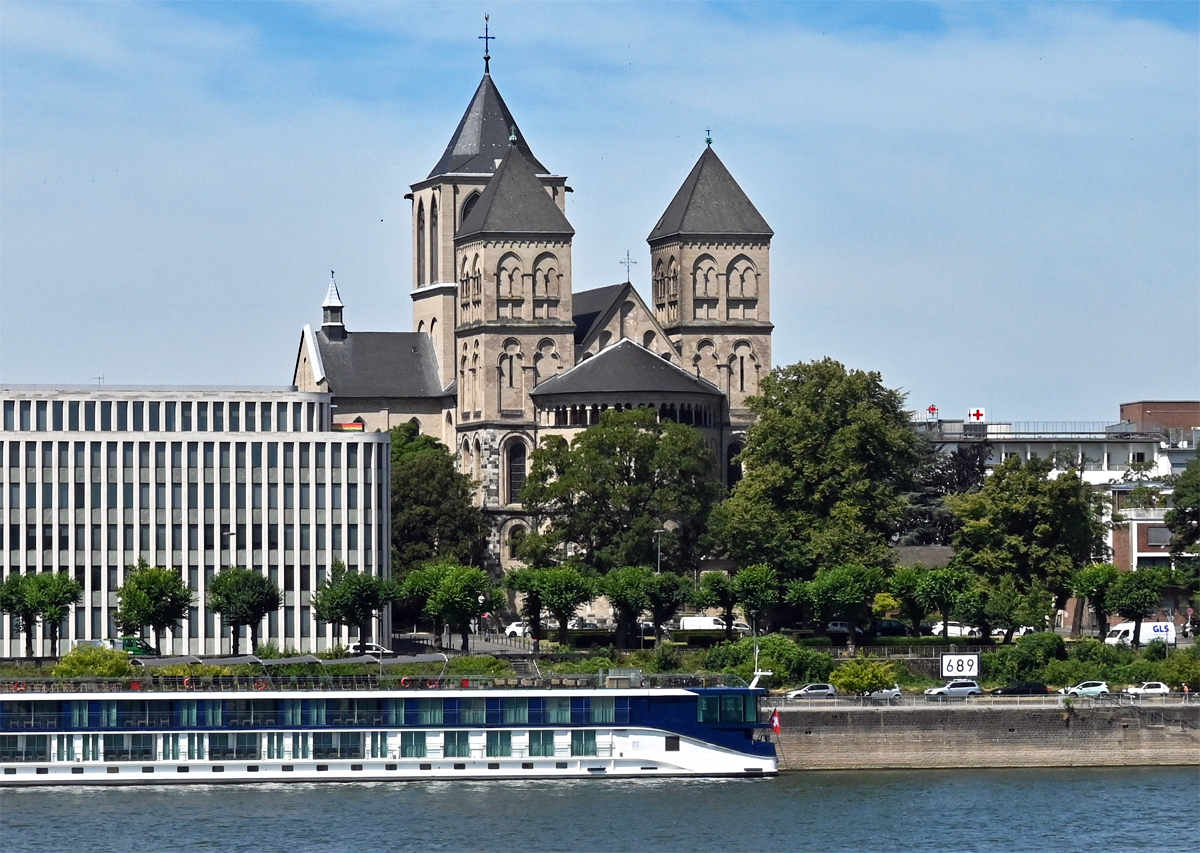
270	728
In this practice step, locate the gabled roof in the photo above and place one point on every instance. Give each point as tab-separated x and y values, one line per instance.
482	136
626	367
592	306
380	364
710	202
515	202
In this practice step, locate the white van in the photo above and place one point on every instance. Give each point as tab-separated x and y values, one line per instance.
1123	633
701	623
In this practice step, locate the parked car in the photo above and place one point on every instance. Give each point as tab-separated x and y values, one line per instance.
372	649
999	633
813	691
578	624
1087	688
1148	688
891	628
954	629
841	628
517	629
888	693
951	689
1022	688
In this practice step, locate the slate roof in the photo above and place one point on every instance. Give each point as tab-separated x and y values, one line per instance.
710	202
482	136
626	367
381	364
591	306
515	202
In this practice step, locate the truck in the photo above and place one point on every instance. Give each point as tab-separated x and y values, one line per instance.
710	623
1123	633
133	646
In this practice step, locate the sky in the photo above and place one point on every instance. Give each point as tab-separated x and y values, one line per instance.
992	205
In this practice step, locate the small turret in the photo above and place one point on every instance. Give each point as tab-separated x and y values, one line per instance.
331	322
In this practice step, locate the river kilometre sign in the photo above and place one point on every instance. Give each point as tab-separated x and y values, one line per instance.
960	665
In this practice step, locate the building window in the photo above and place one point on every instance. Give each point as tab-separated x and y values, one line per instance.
516	471
1158	536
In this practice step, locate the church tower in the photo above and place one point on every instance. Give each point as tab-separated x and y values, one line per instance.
710	261
443	201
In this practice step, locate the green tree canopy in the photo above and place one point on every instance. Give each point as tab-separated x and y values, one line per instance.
905	584
1184	516
757	587
717	590
243	597
826	464
17	600
927	518
862	675
151	596
839	593
939	589
1136	595
1030	525
616	484
351	598
563	589
667	594
463	594
413	590
628	592
1093	583
54	593
433	512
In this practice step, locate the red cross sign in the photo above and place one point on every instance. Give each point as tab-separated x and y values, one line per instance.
976	415
932	411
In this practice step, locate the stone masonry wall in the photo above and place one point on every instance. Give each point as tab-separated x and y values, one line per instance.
964	736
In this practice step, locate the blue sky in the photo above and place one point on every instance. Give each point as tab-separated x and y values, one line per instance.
991	204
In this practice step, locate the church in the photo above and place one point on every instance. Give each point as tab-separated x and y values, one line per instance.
506	350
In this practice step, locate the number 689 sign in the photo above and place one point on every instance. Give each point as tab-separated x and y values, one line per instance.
960	666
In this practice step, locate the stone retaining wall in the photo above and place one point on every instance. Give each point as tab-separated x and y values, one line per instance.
962	736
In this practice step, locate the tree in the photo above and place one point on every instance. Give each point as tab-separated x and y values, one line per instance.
604	495
905	584
413	591
525	581
927	518
826	464
1093	582
1183	518
1136	595
757	588
151	596
351	598
433	511
844	592
243	597
939	589
862	675
717	590
463	594
17	601
628	592
1026	523
54	593
667	593
563	589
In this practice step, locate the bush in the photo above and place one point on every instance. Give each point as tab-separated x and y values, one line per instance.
1042	647
1066	673
1001	666
790	663
1134	672
93	662
1091	650
1181	667
478	665
863	674
1155	650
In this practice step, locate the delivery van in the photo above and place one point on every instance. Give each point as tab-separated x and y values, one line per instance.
1123	633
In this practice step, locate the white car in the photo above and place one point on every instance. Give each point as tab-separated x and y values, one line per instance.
813	691
954	629
517	629
1019	632
373	649
888	693
963	687
1148	688
1087	688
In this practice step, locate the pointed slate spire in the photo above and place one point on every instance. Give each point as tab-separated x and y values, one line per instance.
710	202
515	202
482	136
332	324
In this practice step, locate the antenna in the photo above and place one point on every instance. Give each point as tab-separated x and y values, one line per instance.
487	48
99	379
627	262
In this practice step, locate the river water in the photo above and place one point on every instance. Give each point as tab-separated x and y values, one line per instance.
1078	809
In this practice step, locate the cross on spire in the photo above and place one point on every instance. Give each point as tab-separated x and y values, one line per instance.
708	136
487	48
628	263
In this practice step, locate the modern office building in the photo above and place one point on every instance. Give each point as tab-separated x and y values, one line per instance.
194	479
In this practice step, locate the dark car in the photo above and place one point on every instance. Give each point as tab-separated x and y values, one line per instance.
890	628
1022	688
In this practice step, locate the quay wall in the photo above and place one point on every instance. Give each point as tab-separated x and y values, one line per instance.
965	737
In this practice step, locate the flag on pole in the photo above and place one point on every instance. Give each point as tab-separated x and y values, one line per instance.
775	721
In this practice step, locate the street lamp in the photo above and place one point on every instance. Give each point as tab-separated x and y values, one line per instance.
479	619
658	539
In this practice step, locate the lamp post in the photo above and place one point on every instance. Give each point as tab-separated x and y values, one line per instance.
658	539
479	619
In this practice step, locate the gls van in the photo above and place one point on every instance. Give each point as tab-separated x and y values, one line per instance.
1123	633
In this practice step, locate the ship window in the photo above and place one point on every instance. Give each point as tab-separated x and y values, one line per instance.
24	748
515	711
412	744
672	743
558	710
583	742
731	708
429	712
751	715
499	744
471	712
709	709
603	710
457	745
541	744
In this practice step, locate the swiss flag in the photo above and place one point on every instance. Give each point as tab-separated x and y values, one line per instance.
775	721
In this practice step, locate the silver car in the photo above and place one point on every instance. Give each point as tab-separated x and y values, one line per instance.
813	691
1087	688
962	687
888	693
